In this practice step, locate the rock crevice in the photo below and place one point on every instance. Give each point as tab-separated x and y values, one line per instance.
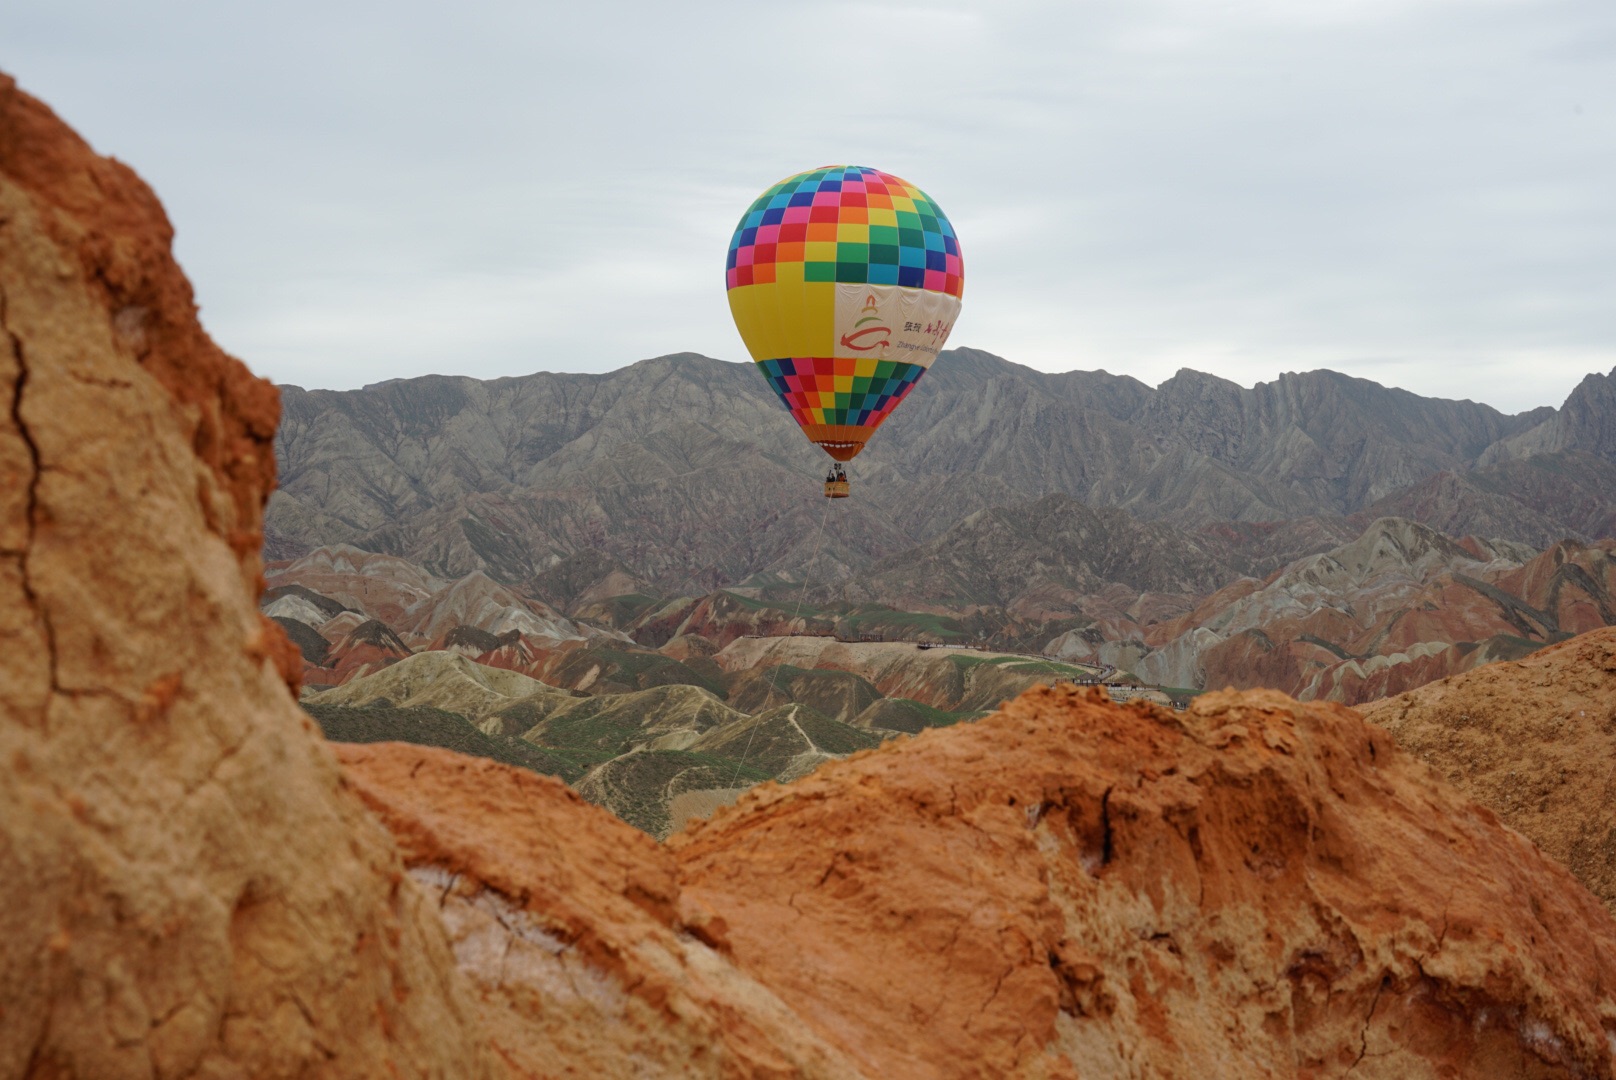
29	485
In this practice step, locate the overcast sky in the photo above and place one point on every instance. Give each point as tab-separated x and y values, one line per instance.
1420	192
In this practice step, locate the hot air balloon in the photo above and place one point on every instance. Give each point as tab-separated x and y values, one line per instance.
844	283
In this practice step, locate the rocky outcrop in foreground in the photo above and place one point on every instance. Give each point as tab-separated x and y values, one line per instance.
1535	742
1066	888
187	889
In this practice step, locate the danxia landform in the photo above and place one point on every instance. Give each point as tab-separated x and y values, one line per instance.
904	838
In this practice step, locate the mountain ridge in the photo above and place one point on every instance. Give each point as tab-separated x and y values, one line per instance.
514	475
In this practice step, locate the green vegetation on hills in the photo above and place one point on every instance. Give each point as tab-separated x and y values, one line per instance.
910	717
625	670
838	694
778	739
1013	636
787	607
643	670
522	715
438	727
890	624
620	611
612	724
833	736
637	787
654	755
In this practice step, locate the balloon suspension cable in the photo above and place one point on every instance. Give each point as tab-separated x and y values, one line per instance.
808	576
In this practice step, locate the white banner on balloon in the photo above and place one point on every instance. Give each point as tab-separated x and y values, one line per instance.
890	322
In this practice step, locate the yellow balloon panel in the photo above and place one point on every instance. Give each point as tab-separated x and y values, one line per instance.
787	318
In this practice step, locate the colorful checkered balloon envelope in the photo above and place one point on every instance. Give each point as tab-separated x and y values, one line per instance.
844	283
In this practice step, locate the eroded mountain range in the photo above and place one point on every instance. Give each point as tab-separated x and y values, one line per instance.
513	475
528	569
1320	534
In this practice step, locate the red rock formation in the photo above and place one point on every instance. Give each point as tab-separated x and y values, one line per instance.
366	649
529	657
382	586
1398	607
723	617
1254	888
1572	583
1534	741
689	647
1067	888
571	926
187	888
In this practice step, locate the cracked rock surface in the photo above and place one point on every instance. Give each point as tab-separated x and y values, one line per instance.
187	890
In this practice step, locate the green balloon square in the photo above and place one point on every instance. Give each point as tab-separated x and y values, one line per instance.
856	273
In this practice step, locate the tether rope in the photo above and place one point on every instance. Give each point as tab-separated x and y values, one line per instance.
807	577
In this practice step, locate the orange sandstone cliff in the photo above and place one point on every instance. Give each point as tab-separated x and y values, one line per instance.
187	890
195	885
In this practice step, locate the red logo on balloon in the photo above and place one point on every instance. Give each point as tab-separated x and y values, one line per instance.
851	339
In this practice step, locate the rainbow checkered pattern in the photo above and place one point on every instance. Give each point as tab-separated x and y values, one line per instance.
846	223
796	244
822	390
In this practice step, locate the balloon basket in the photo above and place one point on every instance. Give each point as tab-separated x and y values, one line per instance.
836	489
